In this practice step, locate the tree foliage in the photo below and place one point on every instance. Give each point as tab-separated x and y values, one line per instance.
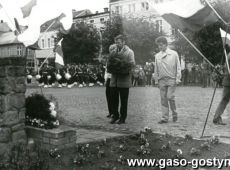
208	39
81	44
140	35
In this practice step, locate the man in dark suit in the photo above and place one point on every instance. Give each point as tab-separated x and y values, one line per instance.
120	82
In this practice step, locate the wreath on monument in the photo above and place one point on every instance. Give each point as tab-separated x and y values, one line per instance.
41	112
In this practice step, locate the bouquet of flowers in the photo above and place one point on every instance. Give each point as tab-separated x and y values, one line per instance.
117	64
40	112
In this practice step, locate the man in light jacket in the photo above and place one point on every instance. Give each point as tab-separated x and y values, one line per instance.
120	83
167	75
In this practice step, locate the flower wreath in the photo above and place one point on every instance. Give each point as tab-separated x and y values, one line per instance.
117	64
40	112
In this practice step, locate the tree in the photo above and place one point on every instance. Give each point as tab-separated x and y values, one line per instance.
208	39
81	44
113	27
140	35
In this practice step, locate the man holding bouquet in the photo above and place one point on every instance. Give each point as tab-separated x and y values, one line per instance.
120	64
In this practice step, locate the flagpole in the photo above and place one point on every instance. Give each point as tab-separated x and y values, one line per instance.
54	21
10	20
216	12
226	57
202	55
45	61
225	54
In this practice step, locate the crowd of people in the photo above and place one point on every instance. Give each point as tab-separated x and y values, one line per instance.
91	75
192	75
166	72
80	75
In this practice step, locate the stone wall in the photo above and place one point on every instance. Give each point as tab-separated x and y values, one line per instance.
12	102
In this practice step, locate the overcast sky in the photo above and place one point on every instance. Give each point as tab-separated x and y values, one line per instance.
93	5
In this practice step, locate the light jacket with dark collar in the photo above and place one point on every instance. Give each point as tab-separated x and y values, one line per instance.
122	80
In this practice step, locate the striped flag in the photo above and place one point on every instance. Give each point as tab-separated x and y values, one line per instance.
223	35
187	15
59	62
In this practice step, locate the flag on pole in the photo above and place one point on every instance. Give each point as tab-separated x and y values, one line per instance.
59	62
9	11
223	35
43	11
187	15
26	9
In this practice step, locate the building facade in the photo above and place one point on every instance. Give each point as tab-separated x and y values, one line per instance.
11	47
142	9
97	19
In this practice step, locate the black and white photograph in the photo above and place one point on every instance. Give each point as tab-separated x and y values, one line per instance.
114	84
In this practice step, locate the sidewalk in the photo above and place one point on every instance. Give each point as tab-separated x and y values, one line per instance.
87	136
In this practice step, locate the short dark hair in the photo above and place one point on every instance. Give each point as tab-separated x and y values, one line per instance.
121	37
161	39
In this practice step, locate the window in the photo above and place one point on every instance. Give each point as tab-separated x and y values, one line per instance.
159	25
43	43
145	6
102	19
49	44
118	9
9	51
130	8
19	50
52	42
174	31
91	21
134	7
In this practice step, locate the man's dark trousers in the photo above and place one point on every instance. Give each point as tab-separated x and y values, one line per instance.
123	93
108	96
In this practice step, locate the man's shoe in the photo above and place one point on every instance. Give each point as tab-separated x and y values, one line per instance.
218	122
109	115
174	119
121	122
163	121
113	120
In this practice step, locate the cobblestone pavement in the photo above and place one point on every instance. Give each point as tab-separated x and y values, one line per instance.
86	107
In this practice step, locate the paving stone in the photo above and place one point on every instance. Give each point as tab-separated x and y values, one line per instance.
143	110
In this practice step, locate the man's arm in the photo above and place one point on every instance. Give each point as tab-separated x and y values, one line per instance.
132	58
178	71
156	71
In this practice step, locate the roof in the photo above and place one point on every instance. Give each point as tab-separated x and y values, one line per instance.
8	38
81	13
4	27
47	24
111	1
91	15
56	25
44	53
